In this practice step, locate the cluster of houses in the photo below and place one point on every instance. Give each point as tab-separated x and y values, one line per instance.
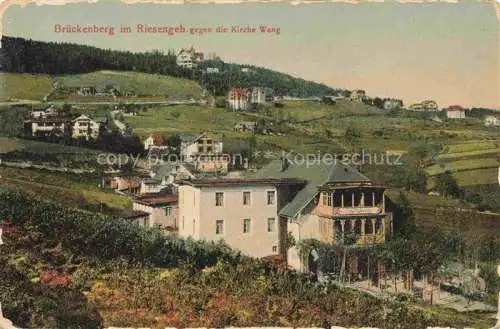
241	99
332	203
52	122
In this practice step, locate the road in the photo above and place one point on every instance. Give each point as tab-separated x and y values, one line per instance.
166	103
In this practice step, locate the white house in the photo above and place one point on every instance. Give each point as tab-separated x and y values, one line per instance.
45	126
189	58
154	143
392	104
165	176
492	120
193	145
455	112
242	212
212	70
84	126
358	95
239	98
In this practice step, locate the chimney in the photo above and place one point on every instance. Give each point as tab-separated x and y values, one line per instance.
284	163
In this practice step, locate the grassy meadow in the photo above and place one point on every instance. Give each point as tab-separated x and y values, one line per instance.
15	86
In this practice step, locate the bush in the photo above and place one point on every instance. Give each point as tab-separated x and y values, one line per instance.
109	238
221	102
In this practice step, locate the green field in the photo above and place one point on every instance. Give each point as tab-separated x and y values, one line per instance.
134	82
477	177
78	191
14	86
471	146
8	144
461	165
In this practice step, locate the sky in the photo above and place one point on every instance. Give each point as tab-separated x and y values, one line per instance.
448	52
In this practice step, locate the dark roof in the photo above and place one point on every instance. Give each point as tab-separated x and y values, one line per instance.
316	175
189	138
133	214
157	199
207	182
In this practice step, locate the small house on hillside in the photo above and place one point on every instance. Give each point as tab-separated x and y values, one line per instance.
189	58
154	142
195	144
245	126
358	95
492	120
238	98
455	112
165	176
392	104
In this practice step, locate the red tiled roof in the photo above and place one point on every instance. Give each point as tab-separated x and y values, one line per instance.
239	92
157	140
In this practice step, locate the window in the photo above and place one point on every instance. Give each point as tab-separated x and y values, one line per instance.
275	248
168	211
219	227
200	149
271	224
219	199
209	148
323	196
328	199
246	225
246	198
270	197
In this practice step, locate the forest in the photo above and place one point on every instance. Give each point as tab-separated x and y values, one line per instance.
19	55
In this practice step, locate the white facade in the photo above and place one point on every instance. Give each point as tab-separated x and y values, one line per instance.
162	215
212	70
190	149
83	126
491	120
47	126
189	58
258	96
358	95
392	104
243	227
148	142
455	114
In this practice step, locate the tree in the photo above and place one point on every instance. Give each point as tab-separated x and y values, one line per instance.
351	137
415	180
447	185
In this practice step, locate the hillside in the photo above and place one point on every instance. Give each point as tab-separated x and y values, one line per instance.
137	83
92	271
24	86
28	56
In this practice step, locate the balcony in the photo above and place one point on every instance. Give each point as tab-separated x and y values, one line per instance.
347	211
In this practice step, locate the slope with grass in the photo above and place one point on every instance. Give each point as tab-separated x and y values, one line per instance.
14	86
70	190
136	83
